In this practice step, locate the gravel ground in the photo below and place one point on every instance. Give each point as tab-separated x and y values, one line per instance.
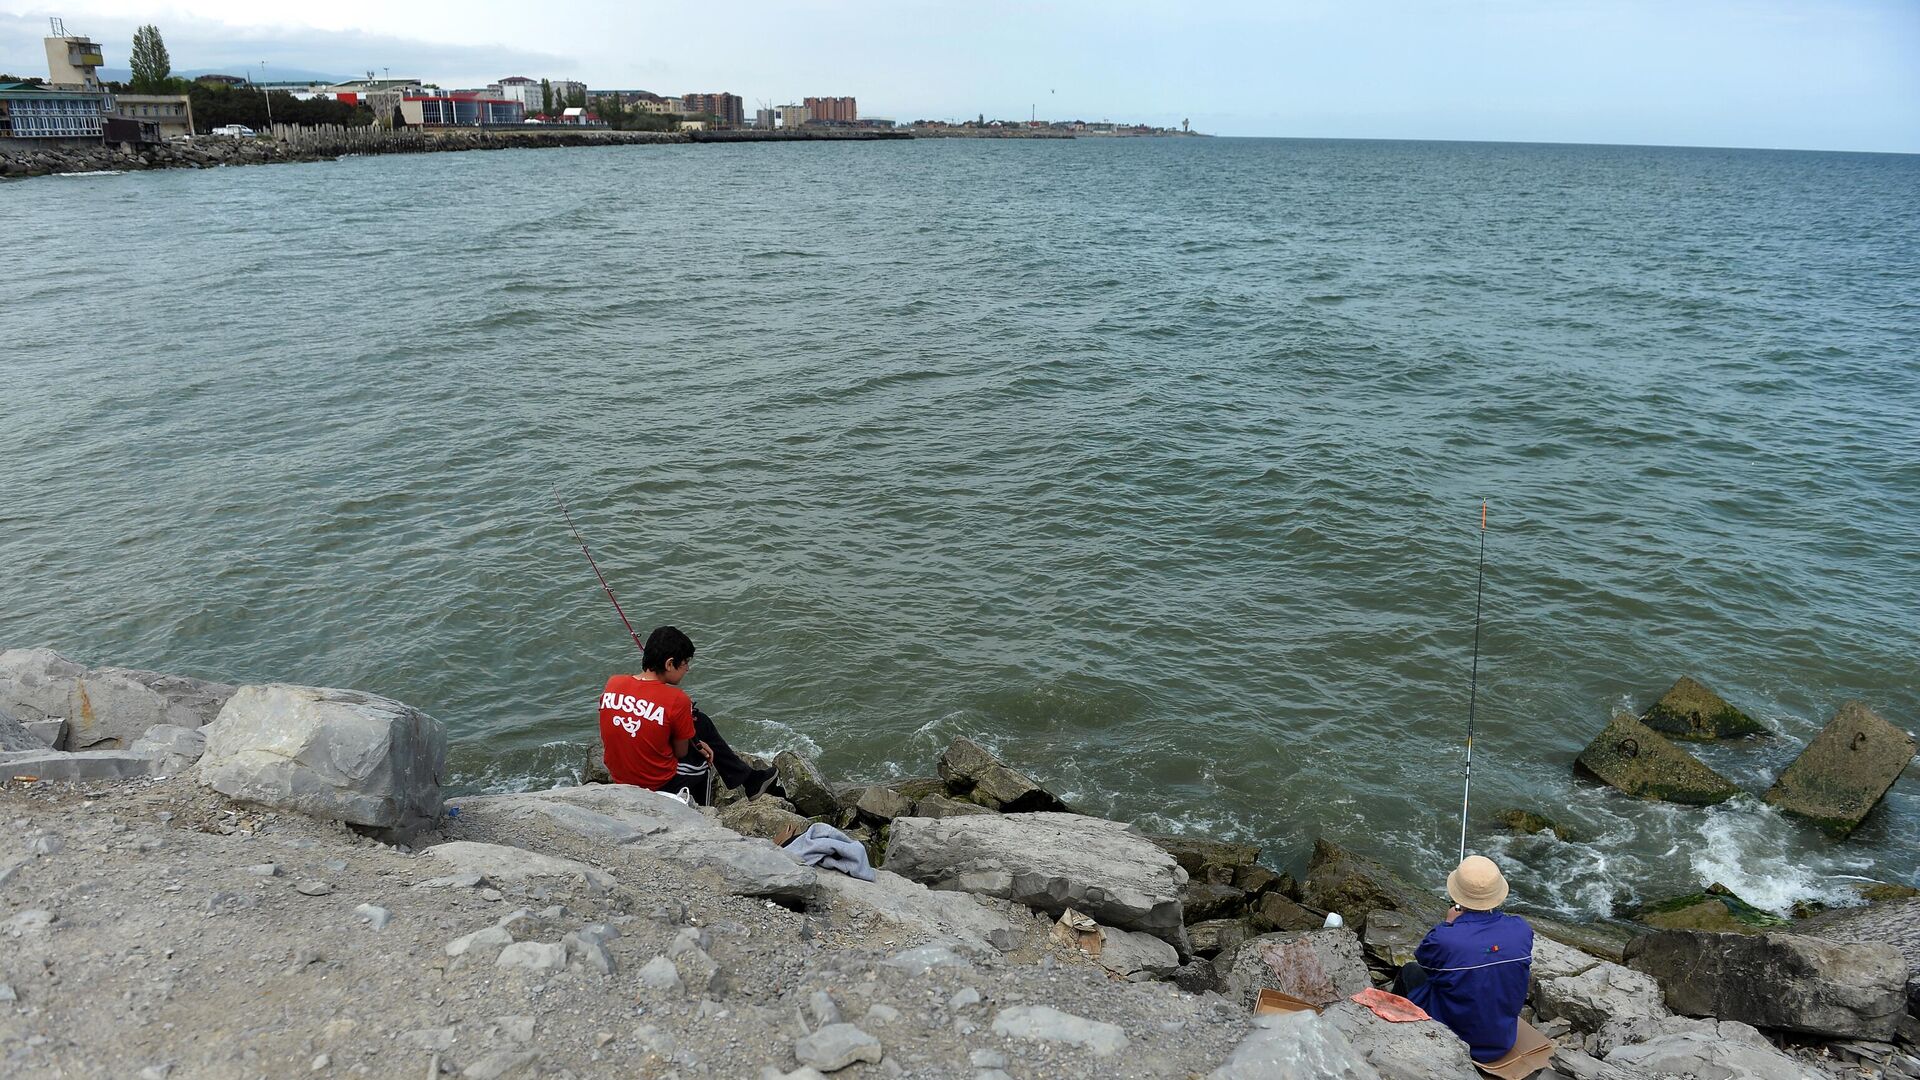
192	938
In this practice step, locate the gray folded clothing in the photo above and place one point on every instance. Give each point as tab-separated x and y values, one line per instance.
824	845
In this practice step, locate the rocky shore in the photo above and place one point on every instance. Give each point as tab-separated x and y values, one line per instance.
200	879
211	151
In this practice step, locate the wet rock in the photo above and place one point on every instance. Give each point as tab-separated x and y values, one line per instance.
1299	1046
1414	1051
836	1046
1352	884
1204	900
1048	861
1256	879
764	817
1316	966
918	787
1527	823
1844	771
805	785
1045	1024
594	771
970	770
1643	763
1716	909
335	754
1776	980
940	806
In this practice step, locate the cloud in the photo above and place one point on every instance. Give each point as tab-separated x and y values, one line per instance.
196	44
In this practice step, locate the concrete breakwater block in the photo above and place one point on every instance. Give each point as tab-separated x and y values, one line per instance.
1688	710
1845	770
1640	761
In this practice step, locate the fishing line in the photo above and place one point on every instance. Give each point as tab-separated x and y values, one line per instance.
1473	694
637	643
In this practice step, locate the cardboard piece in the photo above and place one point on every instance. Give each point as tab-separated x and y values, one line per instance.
1273	1001
1531	1052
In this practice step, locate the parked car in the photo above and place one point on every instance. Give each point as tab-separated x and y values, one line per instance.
237	130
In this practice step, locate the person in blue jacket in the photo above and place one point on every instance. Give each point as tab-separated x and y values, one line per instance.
1470	972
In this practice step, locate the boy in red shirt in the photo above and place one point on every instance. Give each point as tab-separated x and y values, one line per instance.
652	736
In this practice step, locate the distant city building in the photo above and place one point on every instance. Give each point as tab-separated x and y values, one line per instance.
728	110
831	110
459	110
73	60
523	90
793	116
564	91
171	114
764	119
47	115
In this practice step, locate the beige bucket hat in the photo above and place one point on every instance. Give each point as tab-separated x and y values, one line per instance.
1476	884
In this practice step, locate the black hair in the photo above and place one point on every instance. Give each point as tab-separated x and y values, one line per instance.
664	644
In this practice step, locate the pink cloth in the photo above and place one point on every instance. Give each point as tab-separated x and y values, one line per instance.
1390	1006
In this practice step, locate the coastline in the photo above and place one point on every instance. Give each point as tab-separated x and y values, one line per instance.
165	863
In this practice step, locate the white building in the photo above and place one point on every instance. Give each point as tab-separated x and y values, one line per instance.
793	116
523	90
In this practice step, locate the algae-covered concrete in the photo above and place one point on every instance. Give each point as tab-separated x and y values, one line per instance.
1845	771
1688	710
1640	761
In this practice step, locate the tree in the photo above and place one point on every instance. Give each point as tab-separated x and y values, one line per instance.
546	97
577	99
152	68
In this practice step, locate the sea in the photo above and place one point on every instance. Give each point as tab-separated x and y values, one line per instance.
1155	465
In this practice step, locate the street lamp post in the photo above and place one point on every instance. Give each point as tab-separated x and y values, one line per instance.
265	93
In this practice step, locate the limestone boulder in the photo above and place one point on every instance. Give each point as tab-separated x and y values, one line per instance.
1297	1046
504	865
1218	937
1125	952
90	765
177	748
1894	922
806	786
1844	771
339	754
105	708
1419	1050
1689	710
1352	884
1599	992
881	805
1790	981
14	736
1606	940
1049	861
1676	1046
971	771
1317	966
1645	764
962	919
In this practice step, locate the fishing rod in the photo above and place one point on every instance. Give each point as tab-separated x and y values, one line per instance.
603	578
1473	693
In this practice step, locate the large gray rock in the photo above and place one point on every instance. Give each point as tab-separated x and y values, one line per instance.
1419	1050
1844	771
1316	966
1049	861
971	771
1296	1046
1688	710
763	816
1701	1049
175	747
1791	981
938	805
1599	992
1892	922
1125	952
665	828
339	754
1391	937
15	738
1645	764
105	708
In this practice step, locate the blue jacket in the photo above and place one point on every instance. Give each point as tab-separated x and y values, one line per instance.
1477	969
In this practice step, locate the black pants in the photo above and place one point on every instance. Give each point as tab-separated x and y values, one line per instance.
1411	977
694	774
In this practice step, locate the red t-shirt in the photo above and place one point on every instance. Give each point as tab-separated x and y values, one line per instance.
639	719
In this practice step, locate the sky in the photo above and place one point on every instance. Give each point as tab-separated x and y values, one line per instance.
1801	74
